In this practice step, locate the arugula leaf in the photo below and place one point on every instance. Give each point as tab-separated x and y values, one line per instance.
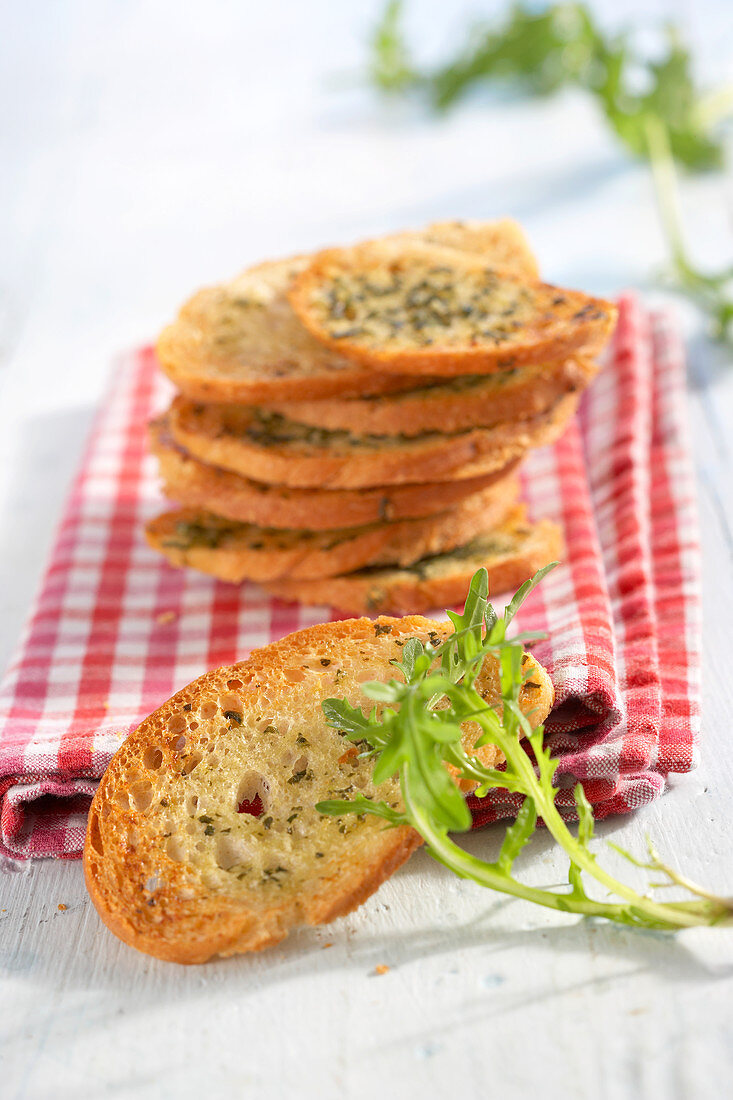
390	65
517	835
357	727
349	719
525	590
468	628
336	807
543	52
421	744
412	651
713	293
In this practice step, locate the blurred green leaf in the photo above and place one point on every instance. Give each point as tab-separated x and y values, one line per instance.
541	52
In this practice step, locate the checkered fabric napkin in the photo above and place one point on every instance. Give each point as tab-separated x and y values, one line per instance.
115	630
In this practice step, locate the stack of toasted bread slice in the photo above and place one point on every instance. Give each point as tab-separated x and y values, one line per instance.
349	425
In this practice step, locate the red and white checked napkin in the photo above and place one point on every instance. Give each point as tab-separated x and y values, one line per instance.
115	630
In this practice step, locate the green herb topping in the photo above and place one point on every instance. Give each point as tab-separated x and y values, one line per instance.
412	303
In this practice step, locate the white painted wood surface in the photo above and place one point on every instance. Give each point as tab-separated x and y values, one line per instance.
148	148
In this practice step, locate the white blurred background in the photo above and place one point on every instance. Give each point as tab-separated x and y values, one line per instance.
150	146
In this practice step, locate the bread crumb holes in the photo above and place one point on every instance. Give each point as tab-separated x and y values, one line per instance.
95	836
177	723
142	795
153	758
192	761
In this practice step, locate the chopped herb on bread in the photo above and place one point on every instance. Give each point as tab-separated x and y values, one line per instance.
272	449
454	405
429	310
235	551
196	484
511	554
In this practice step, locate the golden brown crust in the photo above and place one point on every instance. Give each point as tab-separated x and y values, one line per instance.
236	438
229	930
514	555
195	484
186	904
241	341
453	406
430	310
235	552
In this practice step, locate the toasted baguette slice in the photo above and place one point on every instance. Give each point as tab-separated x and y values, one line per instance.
197	485
502	242
511	554
428	310
457	405
241	341
282	452
240	551
203	838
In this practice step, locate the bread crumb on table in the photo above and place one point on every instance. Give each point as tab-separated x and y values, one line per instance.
381	969
61	906
165	617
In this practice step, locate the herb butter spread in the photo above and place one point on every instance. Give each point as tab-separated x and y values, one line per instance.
414	304
435	311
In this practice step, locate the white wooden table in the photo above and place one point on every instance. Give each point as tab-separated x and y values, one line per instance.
148	148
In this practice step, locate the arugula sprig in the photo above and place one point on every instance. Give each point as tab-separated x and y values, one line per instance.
654	106
417	735
711	291
562	46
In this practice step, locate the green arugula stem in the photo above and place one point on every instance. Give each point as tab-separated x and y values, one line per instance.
447	852
665	916
668	914
710	291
